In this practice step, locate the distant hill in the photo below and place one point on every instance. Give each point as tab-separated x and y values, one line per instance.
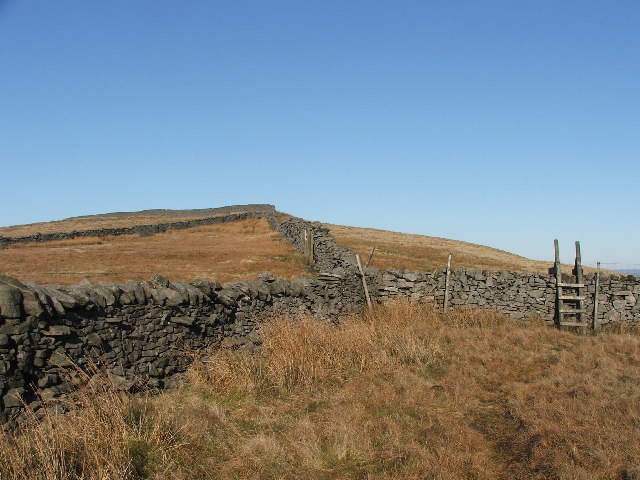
127	219
226	252
419	252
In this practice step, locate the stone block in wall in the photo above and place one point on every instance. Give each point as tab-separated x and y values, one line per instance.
612	316
411	276
182	320
622	293
14	398
10	301
259	289
300	286
279	287
84	295
233	293
191	294
266	277
57	331
135	290
30	300
388	277
31	304
619	305
163	295
59	297
127	298
479	276
15	327
94	340
420	288
61	359
208	288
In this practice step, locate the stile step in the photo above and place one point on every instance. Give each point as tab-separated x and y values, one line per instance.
572	297
571	285
572	310
574	324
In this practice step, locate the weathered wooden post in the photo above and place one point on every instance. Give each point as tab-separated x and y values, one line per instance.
557	267
364	282
373	249
580	292
310	257
594	324
446	285
578	265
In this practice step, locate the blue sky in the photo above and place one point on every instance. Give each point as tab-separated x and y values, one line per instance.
504	123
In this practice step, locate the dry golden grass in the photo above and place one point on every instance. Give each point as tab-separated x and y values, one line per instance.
401	393
225	252
92	222
418	252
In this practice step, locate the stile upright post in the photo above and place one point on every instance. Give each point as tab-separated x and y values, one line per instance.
556	268
569	302
446	285
578	273
594	324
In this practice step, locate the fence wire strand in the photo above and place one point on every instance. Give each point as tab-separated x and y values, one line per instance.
624	268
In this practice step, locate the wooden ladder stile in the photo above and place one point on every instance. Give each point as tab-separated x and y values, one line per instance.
572	302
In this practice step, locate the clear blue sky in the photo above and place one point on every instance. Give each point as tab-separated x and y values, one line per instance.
475	120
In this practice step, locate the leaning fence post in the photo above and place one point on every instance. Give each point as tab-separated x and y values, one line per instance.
364	282
310	257
446	285
373	249
595	298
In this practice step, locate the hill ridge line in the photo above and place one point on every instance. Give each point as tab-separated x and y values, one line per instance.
144	230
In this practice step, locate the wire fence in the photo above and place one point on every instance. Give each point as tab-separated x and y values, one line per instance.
624	268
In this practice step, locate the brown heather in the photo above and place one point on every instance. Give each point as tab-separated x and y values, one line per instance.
401	393
225	252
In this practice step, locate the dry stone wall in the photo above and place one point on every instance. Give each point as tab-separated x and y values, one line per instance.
140	332
519	295
327	254
255	211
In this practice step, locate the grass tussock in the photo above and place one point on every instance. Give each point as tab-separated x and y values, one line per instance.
401	393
